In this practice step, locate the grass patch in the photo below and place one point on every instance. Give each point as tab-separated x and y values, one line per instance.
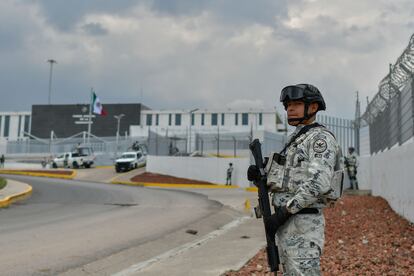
3	183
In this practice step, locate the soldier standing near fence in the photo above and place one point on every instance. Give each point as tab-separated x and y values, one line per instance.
351	164
303	178
2	160
229	174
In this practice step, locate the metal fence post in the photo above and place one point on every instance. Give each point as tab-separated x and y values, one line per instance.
218	141
412	102
234	142
399	118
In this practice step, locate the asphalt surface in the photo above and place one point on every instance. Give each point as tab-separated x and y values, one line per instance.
71	226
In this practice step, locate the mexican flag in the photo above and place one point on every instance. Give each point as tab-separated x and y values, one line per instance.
97	106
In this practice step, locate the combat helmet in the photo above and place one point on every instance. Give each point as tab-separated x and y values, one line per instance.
305	92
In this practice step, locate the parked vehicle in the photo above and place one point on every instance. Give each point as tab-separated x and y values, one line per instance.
80	157
130	160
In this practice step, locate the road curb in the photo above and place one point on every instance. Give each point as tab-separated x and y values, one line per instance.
38	174
251	189
175	185
15	197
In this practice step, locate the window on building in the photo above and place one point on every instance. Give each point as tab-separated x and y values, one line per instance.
245	119
26	125
169	119
214	119
157	119
178	119
222	119
260	119
149	119
192	119
236	119
0	124
19	126
6	126
202	119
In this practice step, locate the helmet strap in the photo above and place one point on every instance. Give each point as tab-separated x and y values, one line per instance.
305	117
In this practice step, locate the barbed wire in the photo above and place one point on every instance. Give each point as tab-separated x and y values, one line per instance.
392	84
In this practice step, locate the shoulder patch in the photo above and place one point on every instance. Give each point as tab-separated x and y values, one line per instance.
320	136
320	145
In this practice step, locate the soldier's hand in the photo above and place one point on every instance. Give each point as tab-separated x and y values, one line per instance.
253	173
276	220
265	161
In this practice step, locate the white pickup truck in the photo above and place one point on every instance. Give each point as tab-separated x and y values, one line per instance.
130	160
81	157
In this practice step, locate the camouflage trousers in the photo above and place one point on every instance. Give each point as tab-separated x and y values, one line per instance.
300	241
352	178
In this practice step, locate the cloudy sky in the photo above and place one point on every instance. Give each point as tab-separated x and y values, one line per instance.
188	53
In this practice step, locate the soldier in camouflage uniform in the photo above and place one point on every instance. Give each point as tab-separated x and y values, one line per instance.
300	179
351	164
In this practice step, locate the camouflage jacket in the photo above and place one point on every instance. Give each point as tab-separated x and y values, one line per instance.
351	160
304	181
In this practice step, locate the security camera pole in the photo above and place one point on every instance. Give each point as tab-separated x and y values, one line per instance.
51	61
189	128
118	117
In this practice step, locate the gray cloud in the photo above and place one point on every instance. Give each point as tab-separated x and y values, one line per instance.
231	12
64	14
186	54
94	29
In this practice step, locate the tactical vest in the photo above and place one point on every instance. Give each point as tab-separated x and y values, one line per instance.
287	170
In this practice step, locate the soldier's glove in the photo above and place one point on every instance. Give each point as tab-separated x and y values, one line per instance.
276	220
253	173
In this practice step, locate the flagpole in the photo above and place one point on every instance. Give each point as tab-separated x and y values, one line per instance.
90	116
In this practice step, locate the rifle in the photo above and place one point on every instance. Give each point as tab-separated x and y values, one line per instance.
263	210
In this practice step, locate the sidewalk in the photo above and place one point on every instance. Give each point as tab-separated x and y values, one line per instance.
225	249
14	191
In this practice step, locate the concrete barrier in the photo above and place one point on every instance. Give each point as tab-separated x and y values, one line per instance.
209	169
390	174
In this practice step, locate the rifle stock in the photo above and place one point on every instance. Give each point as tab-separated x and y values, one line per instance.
264	205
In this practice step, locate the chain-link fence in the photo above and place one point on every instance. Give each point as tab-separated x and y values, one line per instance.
343	129
390	115
225	144
106	149
55	146
220	144
200	144
229	144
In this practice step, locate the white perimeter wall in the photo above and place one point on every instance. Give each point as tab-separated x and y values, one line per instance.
390	174
201	168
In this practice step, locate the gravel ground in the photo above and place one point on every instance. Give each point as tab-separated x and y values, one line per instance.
168	179
363	236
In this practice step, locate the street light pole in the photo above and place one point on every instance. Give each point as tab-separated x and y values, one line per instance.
118	118
51	61
189	129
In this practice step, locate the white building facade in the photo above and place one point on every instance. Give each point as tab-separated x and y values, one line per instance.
184	122
174	122
14	125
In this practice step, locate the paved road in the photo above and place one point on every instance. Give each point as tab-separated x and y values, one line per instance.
68	224
106	175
